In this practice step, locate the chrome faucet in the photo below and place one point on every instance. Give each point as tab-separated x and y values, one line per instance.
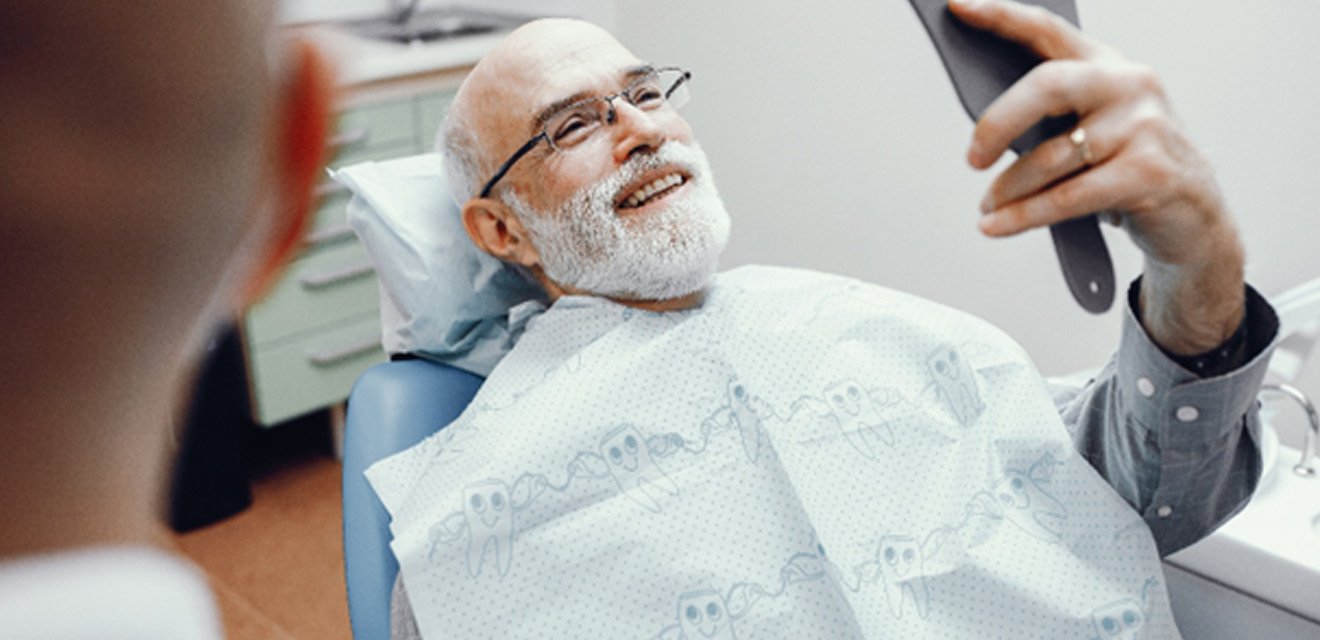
1304	467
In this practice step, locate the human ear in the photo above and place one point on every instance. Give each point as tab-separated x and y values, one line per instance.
495	230
298	147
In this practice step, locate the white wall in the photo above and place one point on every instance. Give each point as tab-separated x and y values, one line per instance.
838	144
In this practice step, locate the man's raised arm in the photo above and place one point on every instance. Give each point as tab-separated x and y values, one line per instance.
1172	419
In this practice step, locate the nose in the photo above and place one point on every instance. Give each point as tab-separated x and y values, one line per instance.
634	131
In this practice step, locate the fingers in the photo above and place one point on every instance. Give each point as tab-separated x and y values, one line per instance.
1050	89
1098	189
1036	28
1053	160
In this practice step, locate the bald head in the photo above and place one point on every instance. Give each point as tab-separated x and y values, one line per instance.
540	63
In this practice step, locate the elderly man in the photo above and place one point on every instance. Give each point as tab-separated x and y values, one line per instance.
156	163
751	421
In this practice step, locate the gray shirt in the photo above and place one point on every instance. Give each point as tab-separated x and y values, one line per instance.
1181	449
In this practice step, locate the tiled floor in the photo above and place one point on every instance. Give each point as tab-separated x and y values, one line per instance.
277	567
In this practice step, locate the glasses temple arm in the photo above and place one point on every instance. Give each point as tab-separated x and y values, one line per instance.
682	79
508	164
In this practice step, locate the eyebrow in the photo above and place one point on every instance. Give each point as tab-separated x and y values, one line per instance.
544	114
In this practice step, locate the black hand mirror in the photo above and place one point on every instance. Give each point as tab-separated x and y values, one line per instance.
982	65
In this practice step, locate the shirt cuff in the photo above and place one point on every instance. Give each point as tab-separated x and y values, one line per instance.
1178	405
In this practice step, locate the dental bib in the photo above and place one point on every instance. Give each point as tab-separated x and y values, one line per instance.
803	456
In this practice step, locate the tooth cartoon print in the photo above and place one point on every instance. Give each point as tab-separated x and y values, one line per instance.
900	560
1121	620
707	613
748	421
1021	498
704	614
633	468
853	583
489	514
956	383
857	416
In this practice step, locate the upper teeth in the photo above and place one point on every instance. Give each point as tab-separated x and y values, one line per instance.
644	193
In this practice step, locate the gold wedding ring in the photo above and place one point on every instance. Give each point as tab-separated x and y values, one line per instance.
1078	139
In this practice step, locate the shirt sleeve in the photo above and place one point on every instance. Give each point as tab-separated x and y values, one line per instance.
1182	449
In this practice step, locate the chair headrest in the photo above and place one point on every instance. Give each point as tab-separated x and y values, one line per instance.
441	297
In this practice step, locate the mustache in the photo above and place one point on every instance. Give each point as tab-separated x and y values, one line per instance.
671	153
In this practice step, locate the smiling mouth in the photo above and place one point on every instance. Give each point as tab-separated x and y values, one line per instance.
654	190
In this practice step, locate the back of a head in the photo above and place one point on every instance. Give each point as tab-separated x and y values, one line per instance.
135	140
130	147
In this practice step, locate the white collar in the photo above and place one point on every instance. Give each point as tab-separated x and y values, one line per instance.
106	592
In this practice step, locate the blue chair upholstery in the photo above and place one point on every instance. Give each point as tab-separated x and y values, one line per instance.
392	406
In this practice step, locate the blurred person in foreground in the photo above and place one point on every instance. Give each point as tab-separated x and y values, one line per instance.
156	163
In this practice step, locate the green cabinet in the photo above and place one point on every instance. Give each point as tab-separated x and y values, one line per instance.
318	328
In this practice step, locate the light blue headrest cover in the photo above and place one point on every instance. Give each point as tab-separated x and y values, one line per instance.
441	298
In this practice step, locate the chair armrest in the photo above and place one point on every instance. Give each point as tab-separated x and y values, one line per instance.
393	406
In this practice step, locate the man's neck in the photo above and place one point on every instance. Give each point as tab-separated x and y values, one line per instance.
688	301
554	292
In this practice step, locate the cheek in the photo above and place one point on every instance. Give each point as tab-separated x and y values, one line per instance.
561	175
680	130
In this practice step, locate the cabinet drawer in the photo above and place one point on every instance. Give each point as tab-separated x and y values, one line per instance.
326	286
314	371
431	109
380	125
329	223
353	156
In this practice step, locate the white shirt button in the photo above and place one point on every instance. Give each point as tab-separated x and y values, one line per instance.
1165	511
1146	387
1188	414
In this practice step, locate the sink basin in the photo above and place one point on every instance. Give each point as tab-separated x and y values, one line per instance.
435	24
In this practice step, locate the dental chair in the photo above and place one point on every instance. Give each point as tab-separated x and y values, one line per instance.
393	406
444	318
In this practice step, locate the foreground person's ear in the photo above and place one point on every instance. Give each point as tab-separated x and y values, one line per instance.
297	161
495	230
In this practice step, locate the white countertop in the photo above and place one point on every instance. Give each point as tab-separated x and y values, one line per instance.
362	61
1271	550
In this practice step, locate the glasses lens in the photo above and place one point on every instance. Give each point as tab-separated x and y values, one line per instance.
574	124
647	92
656	88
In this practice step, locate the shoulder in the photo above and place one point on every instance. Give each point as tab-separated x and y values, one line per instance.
129	591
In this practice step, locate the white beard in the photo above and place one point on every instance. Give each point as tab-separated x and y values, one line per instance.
584	245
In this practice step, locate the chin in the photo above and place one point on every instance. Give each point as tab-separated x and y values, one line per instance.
664	249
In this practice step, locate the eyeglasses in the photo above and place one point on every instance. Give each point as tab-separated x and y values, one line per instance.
576	123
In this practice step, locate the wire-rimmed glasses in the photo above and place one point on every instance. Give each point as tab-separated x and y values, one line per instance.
575	123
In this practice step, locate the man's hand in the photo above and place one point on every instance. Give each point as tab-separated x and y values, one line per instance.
1141	165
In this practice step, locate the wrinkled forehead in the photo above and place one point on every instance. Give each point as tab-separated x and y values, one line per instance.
542	65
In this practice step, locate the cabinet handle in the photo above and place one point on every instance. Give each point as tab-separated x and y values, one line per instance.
327	278
350	137
329	188
334	355
328	235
